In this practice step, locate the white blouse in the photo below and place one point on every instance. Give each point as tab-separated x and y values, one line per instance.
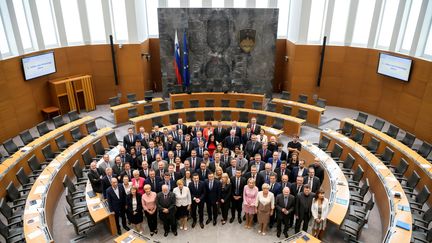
134	203
324	208
265	200
183	198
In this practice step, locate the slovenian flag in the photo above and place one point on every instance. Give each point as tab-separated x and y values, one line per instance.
177	64
186	77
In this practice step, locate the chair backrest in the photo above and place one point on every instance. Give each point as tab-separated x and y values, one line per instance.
302	114
131	97
349	161
173	118
191	116
392	131
209	103
61	142
373	144
86	157
388	154
33	163
72	220
76	133
157	121
148	95
178	104
378	124
26	137
226	115
112	139
371	202
324	143
91	126
148	109
208	115
429	235
193	103
347	128
73	115
4	230
337	151
413	180
132	112
47	152
5	209
409	139
303	98
364	188
243	116
98	147
42	128
10	146
358	174
425	149
321	102
163	106
402	166
427	216
58	121
256	105
67	183
287	110
362	117
286	95
271	107
22	177
12	192
240	103
225	103
77	170
261	119
358	136
278	123
113	101
423	196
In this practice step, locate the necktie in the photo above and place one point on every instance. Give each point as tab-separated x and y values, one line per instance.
283	185
253	146
298	189
196	185
253	128
310	182
211	185
232	139
237	186
165	196
203	173
267	177
271	188
130	138
193	163
286	201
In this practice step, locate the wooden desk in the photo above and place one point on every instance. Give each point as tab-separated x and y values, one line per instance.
335	183
217	97
382	183
121	111
416	162
314	112
291	124
98	211
48	188
136	238
49	111
10	166
299	238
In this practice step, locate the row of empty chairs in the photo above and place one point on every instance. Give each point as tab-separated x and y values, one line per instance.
148	109
131	97
302	98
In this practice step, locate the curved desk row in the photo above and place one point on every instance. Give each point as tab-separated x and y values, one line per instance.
382	183
217	97
313	115
416	162
291	125
10	166
335	183
120	112
47	189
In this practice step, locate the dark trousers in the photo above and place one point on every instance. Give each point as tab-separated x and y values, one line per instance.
200	207
305	221
283	219
212	210
224	208
169	221
117	215
236	205
152	221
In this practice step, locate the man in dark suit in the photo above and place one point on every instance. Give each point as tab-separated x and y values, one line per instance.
231	141
116	198
118	167
170	144
252	147
255	128
203	171
219	132
195	129
284	182
319	171
232	169
168	182
144	170
166	206
254	174
124	156
265	174
274	160
276	189
143	157
194	160
153	181
282	170
197	191
181	126
106	181
284	208
236	128
247	136
303	210
126	172
213	192
152	151
180	137
299	170
238	183
156	132
142	137
175	176
186	167
95	177
200	149
226	158
297	187
257	162
282	154
129	139
179	152
312	180
265	152
187	146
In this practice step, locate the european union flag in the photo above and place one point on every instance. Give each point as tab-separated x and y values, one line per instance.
186	76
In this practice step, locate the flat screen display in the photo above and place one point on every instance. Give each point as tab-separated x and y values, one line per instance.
394	66
38	65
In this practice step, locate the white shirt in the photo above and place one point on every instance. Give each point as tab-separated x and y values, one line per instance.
183	198
265	200
116	191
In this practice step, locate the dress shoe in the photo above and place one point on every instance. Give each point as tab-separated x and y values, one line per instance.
231	220
193	224
286	235
155	231
239	220
208	221
278	234
166	234
214	222
126	228
202	225
175	233
119	232
151	233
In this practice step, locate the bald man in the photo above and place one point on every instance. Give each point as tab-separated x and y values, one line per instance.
285	203
166	206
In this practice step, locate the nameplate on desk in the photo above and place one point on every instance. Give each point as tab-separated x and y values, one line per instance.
404	208
341	183
128	239
97	207
40	189
33	220
341	201
403	225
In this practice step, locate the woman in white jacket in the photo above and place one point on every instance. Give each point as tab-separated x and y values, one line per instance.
320	207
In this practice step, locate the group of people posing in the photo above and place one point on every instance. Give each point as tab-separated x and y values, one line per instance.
176	173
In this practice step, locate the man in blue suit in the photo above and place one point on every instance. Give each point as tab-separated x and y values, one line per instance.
299	170
167	181
275	161
197	191
117	203
213	192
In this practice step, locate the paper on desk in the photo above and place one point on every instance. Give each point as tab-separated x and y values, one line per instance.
426	166
44	176
26	148
33	220
34	234
40	189
93	200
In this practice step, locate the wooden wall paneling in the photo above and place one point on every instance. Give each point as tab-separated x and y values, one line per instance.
279	65
130	71
156	77
146	65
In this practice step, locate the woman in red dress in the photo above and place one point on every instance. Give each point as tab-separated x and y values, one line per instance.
211	145
208	130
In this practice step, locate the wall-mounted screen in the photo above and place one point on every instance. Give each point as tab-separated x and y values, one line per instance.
38	65
394	66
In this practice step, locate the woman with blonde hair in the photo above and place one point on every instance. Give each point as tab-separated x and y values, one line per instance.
218	173
265	207
183	203
148	201
320	206
225	196
250	194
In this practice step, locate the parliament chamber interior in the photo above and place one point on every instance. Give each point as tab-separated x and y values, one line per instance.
215	120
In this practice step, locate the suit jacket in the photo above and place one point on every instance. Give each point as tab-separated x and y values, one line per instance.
123	174
195	141
180	153
242	184
213	194
212	166
106	183
315	183
245	138
251	150
295	171
265	155
200	174
144	174
187	149
200	151
303	207
180	139
155	184
225	193
116	204
172	185
260	167
128	143
197	163
118	170
95	180
152	158
168	203
229	171
228	143
279	173
256	130
183	171
226	160
270	160
283	156
319	172
102	166
170	146
141	158
182	127
280	204
294	191
237	133
220	135
153	135
258	179
277	189
129	206
197	193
